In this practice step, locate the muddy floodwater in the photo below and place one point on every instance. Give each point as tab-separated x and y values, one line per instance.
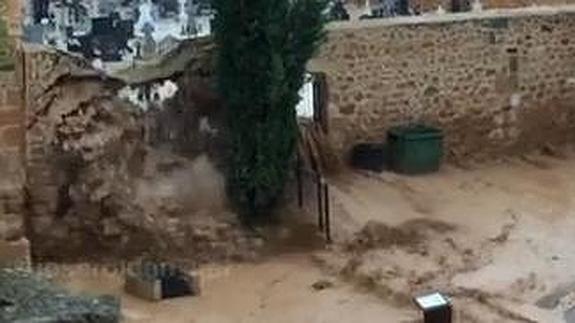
279	290
498	239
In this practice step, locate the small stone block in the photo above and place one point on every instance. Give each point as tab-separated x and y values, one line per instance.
154	282
149	289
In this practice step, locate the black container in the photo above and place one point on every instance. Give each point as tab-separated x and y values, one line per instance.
438	315
436	308
370	156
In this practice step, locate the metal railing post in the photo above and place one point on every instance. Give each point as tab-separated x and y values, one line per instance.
299	182
320	214
327	215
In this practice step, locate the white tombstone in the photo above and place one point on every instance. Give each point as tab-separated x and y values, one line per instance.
476	6
367	8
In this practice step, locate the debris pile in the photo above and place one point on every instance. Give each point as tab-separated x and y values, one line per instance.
115	194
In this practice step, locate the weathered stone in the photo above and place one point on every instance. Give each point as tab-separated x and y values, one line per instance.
15	253
11	117
41	223
347	108
111	227
14	97
13	206
11	136
11	227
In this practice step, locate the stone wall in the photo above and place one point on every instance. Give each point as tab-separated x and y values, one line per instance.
11	129
11	145
14	248
496	82
495	4
424	6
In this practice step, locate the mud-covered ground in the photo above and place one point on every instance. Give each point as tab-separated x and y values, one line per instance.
498	239
279	290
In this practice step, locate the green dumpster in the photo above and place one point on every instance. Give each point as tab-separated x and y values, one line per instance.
415	149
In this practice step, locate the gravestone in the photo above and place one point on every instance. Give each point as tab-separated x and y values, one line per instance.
338	12
569	315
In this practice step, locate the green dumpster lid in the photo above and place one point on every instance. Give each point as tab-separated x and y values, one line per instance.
415	131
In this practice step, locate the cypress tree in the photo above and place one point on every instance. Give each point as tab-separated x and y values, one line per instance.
263	49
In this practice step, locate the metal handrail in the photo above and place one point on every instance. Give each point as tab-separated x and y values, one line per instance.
322	197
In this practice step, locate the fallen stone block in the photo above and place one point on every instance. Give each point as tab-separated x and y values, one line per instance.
141	287
155	282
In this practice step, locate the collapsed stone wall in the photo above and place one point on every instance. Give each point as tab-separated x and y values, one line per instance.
496	82
191	122
96	188
73	131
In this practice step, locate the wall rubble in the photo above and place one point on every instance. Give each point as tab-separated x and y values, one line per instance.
97	188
